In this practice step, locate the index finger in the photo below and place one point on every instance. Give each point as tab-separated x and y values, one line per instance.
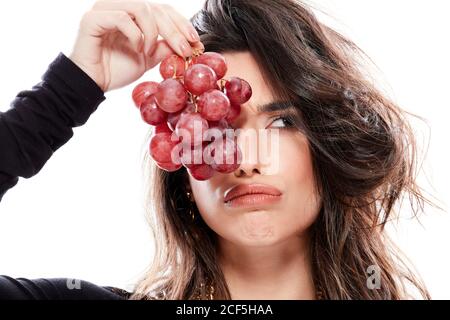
185	26
141	14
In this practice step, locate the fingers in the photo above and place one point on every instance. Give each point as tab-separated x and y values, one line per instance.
98	23
184	26
142	14
169	31
160	51
153	19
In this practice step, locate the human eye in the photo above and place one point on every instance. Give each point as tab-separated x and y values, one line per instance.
282	122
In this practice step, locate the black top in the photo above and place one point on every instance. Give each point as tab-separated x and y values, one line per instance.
38	122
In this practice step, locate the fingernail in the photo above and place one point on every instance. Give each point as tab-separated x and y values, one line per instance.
194	36
185	48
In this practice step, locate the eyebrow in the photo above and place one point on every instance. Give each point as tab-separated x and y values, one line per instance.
276	106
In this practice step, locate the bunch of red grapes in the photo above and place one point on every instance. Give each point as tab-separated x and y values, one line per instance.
192	101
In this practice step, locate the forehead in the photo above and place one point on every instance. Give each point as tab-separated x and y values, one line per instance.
243	65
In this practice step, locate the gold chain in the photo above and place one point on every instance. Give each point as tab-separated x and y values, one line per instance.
210	293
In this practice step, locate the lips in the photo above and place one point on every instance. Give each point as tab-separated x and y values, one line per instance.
250	189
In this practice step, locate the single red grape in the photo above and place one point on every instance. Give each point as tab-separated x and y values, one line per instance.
226	154
199	78
173	118
163	127
214	105
171	95
172	66
215	61
161	146
191	127
221	126
238	90
233	113
142	91
192	155
201	172
151	113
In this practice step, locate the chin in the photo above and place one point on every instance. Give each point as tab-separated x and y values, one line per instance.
257	238
258	243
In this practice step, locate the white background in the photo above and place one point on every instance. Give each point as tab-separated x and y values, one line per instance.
82	215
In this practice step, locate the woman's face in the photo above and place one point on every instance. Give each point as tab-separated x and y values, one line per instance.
261	220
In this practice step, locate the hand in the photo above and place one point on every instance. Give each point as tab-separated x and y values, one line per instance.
118	42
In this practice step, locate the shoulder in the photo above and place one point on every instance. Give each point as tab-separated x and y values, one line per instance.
57	289
119	292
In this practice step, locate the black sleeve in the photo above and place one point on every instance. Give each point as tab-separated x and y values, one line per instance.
40	120
56	289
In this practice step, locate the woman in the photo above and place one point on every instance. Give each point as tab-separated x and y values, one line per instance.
346	157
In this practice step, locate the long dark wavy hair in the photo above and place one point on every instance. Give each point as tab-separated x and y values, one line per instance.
363	149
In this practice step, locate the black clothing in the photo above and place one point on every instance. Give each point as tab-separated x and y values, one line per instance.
38	122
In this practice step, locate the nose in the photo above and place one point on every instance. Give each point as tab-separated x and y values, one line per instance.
245	170
250	164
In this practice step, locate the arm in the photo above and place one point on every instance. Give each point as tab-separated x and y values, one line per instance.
40	120
56	289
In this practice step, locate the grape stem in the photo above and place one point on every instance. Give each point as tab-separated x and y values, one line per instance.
195	53
222	84
194	101
174	71
187	62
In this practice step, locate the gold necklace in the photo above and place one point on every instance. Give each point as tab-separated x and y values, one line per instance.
210	293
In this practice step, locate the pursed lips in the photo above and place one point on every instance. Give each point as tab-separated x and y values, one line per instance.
250	189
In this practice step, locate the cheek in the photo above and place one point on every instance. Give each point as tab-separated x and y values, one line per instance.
209	203
208	200
296	169
205	195
210	206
